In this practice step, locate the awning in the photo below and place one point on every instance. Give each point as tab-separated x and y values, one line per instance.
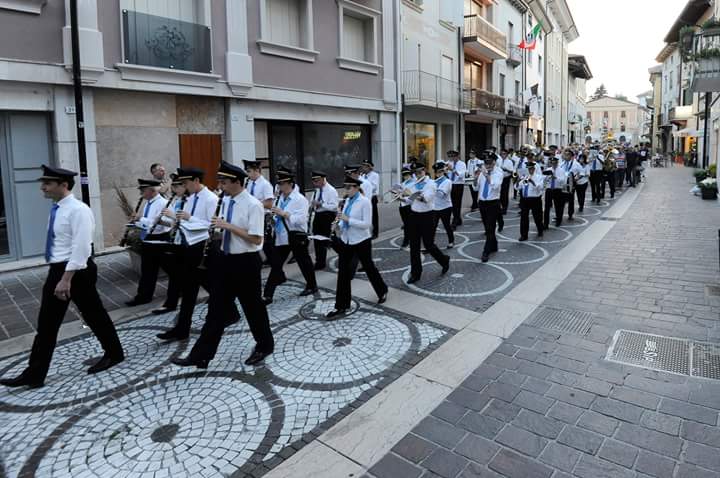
688	133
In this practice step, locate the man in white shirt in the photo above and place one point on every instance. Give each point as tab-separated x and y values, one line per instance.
193	231
489	185
404	205
508	168
369	174
473	164
72	276
596	166
262	190
324	204
422	224
457	170
531	187
291	227
573	170
355	222
366	187
581	184
153	228
237	275
554	185
443	204
159	174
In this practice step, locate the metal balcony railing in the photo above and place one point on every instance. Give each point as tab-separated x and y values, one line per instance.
479	100
425	88
515	56
516	108
162	42
477	27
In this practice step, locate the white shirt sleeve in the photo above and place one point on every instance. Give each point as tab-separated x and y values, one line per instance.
82	225
256	220
298	209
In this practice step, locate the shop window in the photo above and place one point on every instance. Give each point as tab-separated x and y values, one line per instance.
286	29
329	147
421	141
358	37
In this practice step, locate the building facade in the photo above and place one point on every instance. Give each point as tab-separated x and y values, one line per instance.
615	119
655	128
578	75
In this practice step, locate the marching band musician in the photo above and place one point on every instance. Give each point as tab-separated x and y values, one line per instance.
354	225
72	276
531	187
609	171
237	275
521	169
421	224
291	222
443	206
555	180
473	165
573	170
457	169
404	208
369	174
261	189
366	188
596	173
581	184
507	167
489	184
324	203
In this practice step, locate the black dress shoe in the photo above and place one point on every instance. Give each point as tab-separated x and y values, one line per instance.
22	381
501	227
171	336
189	362
336	313
308	291
136	301
382	299
256	357
445	267
523	239
105	363
163	310
267	300
232	321
570	218
413	280
485	257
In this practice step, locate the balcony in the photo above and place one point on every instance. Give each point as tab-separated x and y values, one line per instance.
159	42
680	114
515	109
482	39
425	89
705	73
481	102
515	56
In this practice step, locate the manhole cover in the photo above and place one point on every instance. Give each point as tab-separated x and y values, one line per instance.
571	321
650	351
712	291
706	361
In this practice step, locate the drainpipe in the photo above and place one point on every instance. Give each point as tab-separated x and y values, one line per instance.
461	64
706	132
79	113
400	98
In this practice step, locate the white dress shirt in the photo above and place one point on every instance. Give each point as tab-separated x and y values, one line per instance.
560	179
583	175
457	173
493	192
521	167
428	188
297	206
73	232
507	167
442	195
359	226
201	206
366	187
530	191
247	213
572	169
597	163
260	188
374	179
328	199
407	184
151	212
473	165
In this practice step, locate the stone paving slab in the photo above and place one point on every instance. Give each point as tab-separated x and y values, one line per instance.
547	403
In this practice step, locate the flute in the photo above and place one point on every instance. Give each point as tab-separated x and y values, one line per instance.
159	218
123	241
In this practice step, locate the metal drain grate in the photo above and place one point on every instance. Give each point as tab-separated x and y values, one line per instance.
571	321
712	291
650	351
706	360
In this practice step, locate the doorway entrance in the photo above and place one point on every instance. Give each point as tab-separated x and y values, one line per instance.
202	151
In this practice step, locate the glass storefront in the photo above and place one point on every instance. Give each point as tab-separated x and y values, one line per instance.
420	142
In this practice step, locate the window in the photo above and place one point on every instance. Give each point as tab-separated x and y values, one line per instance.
501	91
510	35
540	64
670	85
589	116
530	21
518	93
473	8
421	140
622	114
605	114
358	37
286	29
529	57
622	127
474	75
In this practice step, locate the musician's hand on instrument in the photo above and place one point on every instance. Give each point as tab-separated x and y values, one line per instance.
344	217
183	215
219	222
167	212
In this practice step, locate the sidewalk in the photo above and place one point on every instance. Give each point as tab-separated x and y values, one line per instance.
548	402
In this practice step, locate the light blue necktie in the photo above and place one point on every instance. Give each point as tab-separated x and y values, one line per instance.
252	189
50	233
278	219
348	208
486	189
525	191
226	239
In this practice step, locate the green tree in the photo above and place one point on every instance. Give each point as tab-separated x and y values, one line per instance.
600	91
620	96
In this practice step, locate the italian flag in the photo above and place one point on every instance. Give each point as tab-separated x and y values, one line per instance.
531	40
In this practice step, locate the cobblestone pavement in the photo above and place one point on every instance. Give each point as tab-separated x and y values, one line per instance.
559	398
147	417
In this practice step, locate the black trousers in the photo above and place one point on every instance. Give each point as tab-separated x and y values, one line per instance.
363	252
596	180
191	277
580	190
620	177
422	229
279	256
474	197
322	226
235	276
153	258
375	217
444	216
405	217
554	198
489	211
569	199
527	205
52	312
268	240
456	196
609	178
505	193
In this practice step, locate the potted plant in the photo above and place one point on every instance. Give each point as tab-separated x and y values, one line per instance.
131	239
711	27
708	188
700	175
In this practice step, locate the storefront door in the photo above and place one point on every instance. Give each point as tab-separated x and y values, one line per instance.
202	151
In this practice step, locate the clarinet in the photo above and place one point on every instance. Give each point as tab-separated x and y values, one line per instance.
176	226
211	232
123	241
311	210
159	218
